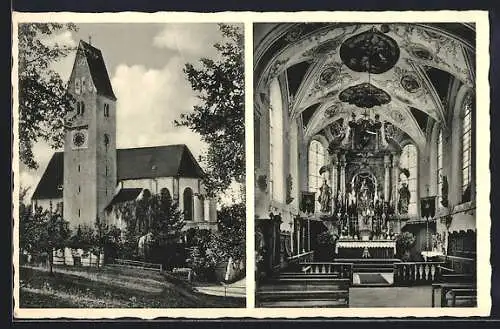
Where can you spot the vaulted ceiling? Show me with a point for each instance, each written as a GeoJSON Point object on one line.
{"type": "Point", "coordinates": [403, 72]}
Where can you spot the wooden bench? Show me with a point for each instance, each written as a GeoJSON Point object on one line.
{"type": "Point", "coordinates": [467, 296]}
{"type": "Point", "coordinates": [446, 288]}
{"type": "Point", "coordinates": [457, 278]}
{"type": "Point", "coordinates": [304, 291]}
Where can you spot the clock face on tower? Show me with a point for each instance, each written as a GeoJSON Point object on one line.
{"type": "Point", "coordinates": [79, 139]}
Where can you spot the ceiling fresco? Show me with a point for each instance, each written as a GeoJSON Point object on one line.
{"type": "Point", "coordinates": [350, 67]}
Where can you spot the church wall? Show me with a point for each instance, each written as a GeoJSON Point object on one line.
{"type": "Point", "coordinates": [106, 165]}
{"type": "Point", "coordinates": [150, 184]}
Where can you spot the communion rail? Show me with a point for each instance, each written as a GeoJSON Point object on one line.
{"type": "Point", "coordinates": [417, 273]}
{"type": "Point", "coordinates": [342, 270]}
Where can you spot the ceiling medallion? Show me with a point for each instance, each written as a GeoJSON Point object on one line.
{"type": "Point", "coordinates": [329, 75]}
{"type": "Point", "coordinates": [410, 83]}
{"type": "Point", "coordinates": [364, 95]}
{"type": "Point", "coordinates": [397, 116]}
{"type": "Point", "coordinates": [421, 52]}
{"type": "Point", "coordinates": [370, 51]}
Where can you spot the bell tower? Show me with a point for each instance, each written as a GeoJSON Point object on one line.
{"type": "Point", "coordinates": [90, 140]}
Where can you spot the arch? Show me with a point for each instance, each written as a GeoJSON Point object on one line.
{"type": "Point", "coordinates": [188, 203]}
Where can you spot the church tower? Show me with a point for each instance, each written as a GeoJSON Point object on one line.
{"type": "Point", "coordinates": [90, 141]}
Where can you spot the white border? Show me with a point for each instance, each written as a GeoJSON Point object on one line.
{"type": "Point", "coordinates": [480, 18]}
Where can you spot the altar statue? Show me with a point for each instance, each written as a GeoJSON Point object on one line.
{"type": "Point", "coordinates": [325, 197]}
{"type": "Point", "coordinates": [404, 199]}
{"type": "Point", "coordinates": [351, 201]}
{"type": "Point", "coordinates": [363, 191]}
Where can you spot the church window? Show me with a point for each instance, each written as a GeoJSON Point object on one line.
{"type": "Point", "coordinates": [106, 170]}
{"type": "Point", "coordinates": [79, 213]}
{"type": "Point", "coordinates": [80, 108]}
{"type": "Point", "coordinates": [79, 188]}
{"type": "Point", "coordinates": [188, 204]}
{"type": "Point", "coordinates": [467, 149]}
{"type": "Point", "coordinates": [256, 128]}
{"type": "Point", "coordinates": [78, 168]}
{"type": "Point", "coordinates": [83, 85]}
{"type": "Point", "coordinates": [409, 161]}
{"type": "Point", "coordinates": [77, 87]}
{"type": "Point", "coordinates": [276, 181]}
{"type": "Point", "coordinates": [316, 159]}
{"type": "Point", "coordinates": [106, 141]}
{"type": "Point", "coordinates": [439, 172]}
{"type": "Point", "coordinates": [106, 110]}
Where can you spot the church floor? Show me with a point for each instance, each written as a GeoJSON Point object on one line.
{"type": "Point", "coordinates": [390, 297]}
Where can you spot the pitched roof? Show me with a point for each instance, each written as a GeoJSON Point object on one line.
{"type": "Point", "coordinates": [98, 70]}
{"type": "Point", "coordinates": [50, 185]}
{"type": "Point", "coordinates": [157, 161]}
{"type": "Point", "coordinates": [134, 163]}
{"type": "Point", "coordinates": [125, 194]}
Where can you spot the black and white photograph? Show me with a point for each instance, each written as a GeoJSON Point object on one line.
{"type": "Point", "coordinates": [131, 176]}
{"type": "Point", "coordinates": [365, 165]}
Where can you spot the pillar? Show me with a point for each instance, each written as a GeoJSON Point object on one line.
{"type": "Point", "coordinates": [387, 177]}
{"type": "Point", "coordinates": [395, 180]}
{"type": "Point", "coordinates": [334, 178]}
{"type": "Point", "coordinates": [206, 208]}
{"type": "Point", "coordinates": [342, 174]}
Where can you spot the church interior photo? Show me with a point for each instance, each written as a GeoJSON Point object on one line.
{"type": "Point", "coordinates": [365, 164]}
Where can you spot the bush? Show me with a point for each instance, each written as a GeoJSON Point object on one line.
{"type": "Point", "coordinates": [404, 242]}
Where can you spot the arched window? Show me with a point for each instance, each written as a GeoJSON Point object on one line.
{"type": "Point", "coordinates": [77, 87]}
{"type": "Point", "coordinates": [439, 171]}
{"type": "Point", "coordinates": [82, 108]}
{"type": "Point", "coordinates": [316, 159]}
{"type": "Point", "coordinates": [276, 180]}
{"type": "Point", "coordinates": [188, 203]}
{"type": "Point", "coordinates": [467, 149]}
{"type": "Point", "coordinates": [409, 161]}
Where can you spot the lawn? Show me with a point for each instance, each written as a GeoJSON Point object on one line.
{"type": "Point", "coordinates": [111, 288]}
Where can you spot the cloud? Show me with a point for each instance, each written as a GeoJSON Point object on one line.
{"type": "Point", "coordinates": [189, 39]}
{"type": "Point", "coordinates": [149, 100]}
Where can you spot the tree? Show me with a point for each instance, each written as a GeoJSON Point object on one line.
{"type": "Point", "coordinates": [231, 236]}
{"type": "Point", "coordinates": [43, 99]}
{"type": "Point", "coordinates": [48, 231]}
{"type": "Point", "coordinates": [157, 215]}
{"type": "Point", "coordinates": [219, 118]}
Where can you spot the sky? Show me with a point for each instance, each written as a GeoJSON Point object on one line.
{"type": "Point", "coordinates": [144, 62]}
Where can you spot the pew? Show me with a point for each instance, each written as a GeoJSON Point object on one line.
{"type": "Point", "coordinates": [304, 291]}
{"type": "Point", "coordinates": [459, 289]}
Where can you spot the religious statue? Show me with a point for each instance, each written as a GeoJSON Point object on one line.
{"type": "Point", "coordinates": [363, 191]}
{"type": "Point", "coordinates": [404, 199]}
{"type": "Point", "coordinates": [325, 197]}
{"type": "Point", "coordinates": [351, 201]}
{"type": "Point", "coordinates": [444, 191]}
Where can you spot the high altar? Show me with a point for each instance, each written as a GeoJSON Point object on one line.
{"type": "Point", "coordinates": [370, 196]}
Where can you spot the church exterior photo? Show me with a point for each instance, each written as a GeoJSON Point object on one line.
{"type": "Point", "coordinates": [364, 164]}
{"type": "Point", "coordinates": [91, 178]}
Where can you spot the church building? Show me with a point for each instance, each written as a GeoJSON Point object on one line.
{"type": "Point", "coordinates": [91, 176]}
{"type": "Point", "coordinates": [364, 133]}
